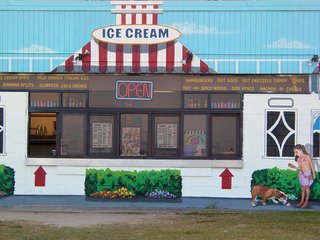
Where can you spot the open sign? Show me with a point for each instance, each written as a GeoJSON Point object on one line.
{"type": "Point", "coordinates": [134, 90]}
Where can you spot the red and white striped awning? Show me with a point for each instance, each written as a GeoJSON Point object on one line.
{"type": "Point", "coordinates": [102, 57]}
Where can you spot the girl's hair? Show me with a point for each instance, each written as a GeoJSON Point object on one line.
{"type": "Point", "coordinates": [302, 148]}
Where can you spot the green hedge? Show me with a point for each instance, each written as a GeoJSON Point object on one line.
{"type": "Point", "coordinates": [6, 180]}
{"type": "Point", "coordinates": [284, 180]}
{"type": "Point", "coordinates": [138, 182]}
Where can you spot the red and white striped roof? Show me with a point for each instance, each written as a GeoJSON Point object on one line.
{"type": "Point", "coordinates": [102, 57]}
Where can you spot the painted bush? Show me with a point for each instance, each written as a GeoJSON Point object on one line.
{"type": "Point", "coordinates": [285, 180]}
{"type": "Point", "coordinates": [139, 183]}
{"type": "Point", "coordinates": [6, 180]}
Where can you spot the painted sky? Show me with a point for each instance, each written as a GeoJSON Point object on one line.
{"type": "Point", "coordinates": [213, 30]}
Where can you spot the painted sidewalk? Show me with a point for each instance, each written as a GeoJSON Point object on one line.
{"type": "Point", "coordinates": [187, 203]}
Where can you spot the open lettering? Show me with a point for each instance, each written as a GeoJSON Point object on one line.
{"type": "Point", "coordinates": [134, 90]}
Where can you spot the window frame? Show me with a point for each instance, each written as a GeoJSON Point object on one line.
{"type": "Point", "coordinates": [151, 114]}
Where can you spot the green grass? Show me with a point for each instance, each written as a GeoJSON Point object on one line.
{"type": "Point", "coordinates": [204, 224]}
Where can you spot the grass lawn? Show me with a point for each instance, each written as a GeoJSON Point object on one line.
{"type": "Point", "coordinates": [204, 224]}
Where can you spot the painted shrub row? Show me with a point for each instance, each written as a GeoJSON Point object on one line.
{"type": "Point", "coordinates": [137, 182]}
{"type": "Point", "coordinates": [6, 180]}
{"type": "Point", "coordinates": [284, 180]}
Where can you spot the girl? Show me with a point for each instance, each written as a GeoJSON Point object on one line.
{"type": "Point", "coordinates": [306, 172]}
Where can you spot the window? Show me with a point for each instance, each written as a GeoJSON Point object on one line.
{"type": "Point", "coordinates": [134, 135]}
{"type": "Point", "coordinates": [47, 100]}
{"type": "Point", "coordinates": [225, 101]}
{"type": "Point", "coordinates": [225, 135]}
{"type": "Point", "coordinates": [42, 134]}
{"type": "Point", "coordinates": [195, 136]}
{"type": "Point", "coordinates": [102, 135]}
{"type": "Point", "coordinates": [52, 132]}
{"type": "Point", "coordinates": [316, 133]}
{"type": "Point", "coordinates": [166, 136]}
{"type": "Point", "coordinates": [73, 135]}
{"type": "Point", "coordinates": [195, 100]}
{"type": "Point", "coordinates": [280, 134]}
{"type": "Point", "coordinates": [74, 100]}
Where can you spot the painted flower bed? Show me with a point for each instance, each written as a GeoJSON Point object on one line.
{"type": "Point", "coordinates": [159, 194]}
{"type": "Point", "coordinates": [120, 193]}
{"type": "Point", "coordinates": [105, 183]}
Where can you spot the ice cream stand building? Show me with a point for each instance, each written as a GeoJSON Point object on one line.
{"type": "Point", "coordinates": [214, 89]}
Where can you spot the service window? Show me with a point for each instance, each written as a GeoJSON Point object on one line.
{"type": "Point", "coordinates": [195, 136]}
{"type": "Point", "coordinates": [42, 134]}
{"type": "Point", "coordinates": [166, 136]}
{"type": "Point", "coordinates": [73, 135]}
{"type": "Point", "coordinates": [101, 135]}
{"type": "Point", "coordinates": [225, 136]}
{"type": "Point", "coordinates": [134, 135]}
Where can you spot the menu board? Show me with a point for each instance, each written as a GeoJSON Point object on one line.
{"type": "Point", "coordinates": [44, 81]}
{"type": "Point", "coordinates": [248, 83]}
{"type": "Point", "coordinates": [102, 135]}
{"type": "Point", "coordinates": [167, 135]}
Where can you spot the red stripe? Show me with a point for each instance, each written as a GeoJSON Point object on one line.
{"type": "Point", "coordinates": [204, 68]}
{"type": "Point", "coordinates": [123, 19]}
{"type": "Point", "coordinates": [119, 58]}
{"type": "Point", "coordinates": [69, 64]}
{"type": "Point", "coordinates": [155, 19]}
{"type": "Point", "coordinates": [144, 16]}
{"type": "Point", "coordinates": [103, 61]}
{"type": "Point", "coordinates": [170, 57]}
{"type": "Point", "coordinates": [186, 67]}
{"type": "Point", "coordinates": [155, 16]}
{"type": "Point", "coordinates": [153, 57]}
{"type": "Point", "coordinates": [86, 58]}
{"type": "Point", "coordinates": [123, 16]}
{"type": "Point", "coordinates": [133, 19]}
{"type": "Point", "coordinates": [133, 15]}
{"type": "Point", "coordinates": [135, 58]}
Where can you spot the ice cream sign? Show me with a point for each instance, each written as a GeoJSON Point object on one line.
{"type": "Point", "coordinates": [136, 34]}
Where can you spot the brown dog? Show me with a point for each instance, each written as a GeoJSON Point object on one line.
{"type": "Point", "coordinates": [264, 192]}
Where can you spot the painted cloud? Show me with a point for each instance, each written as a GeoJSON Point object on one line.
{"type": "Point", "coordinates": [35, 48]}
{"type": "Point", "coordinates": [284, 43]}
{"type": "Point", "coordinates": [192, 28]}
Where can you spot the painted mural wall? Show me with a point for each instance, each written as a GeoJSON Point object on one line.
{"type": "Point", "coordinates": [243, 37]}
